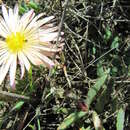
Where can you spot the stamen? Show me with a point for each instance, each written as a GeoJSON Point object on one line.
{"type": "Point", "coordinates": [16, 42]}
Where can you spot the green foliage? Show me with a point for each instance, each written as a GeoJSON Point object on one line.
{"type": "Point", "coordinates": [38, 124]}
{"type": "Point", "coordinates": [115, 43]}
{"type": "Point", "coordinates": [95, 88]}
{"type": "Point", "coordinates": [93, 72]}
{"type": "Point", "coordinates": [63, 110]}
{"type": "Point", "coordinates": [33, 5]}
{"type": "Point", "coordinates": [102, 100]}
{"type": "Point", "coordinates": [108, 34]}
{"type": "Point", "coordinates": [32, 127]}
{"type": "Point", "coordinates": [94, 50]}
{"type": "Point", "coordinates": [75, 116]}
{"type": "Point", "coordinates": [100, 70]}
{"type": "Point", "coordinates": [18, 105]}
{"type": "Point", "coordinates": [22, 10]}
{"type": "Point", "coordinates": [120, 119]}
{"type": "Point", "coordinates": [83, 128]}
{"type": "Point", "coordinates": [24, 7]}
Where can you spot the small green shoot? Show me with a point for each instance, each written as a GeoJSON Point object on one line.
{"type": "Point", "coordinates": [18, 105]}
{"type": "Point", "coordinates": [115, 43]}
{"type": "Point", "coordinates": [120, 119]}
{"type": "Point", "coordinates": [108, 34]}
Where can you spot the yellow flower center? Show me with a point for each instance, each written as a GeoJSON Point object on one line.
{"type": "Point", "coordinates": [16, 42]}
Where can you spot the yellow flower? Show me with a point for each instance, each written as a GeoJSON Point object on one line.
{"type": "Point", "coordinates": [25, 39]}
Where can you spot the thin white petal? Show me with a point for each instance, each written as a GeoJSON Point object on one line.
{"type": "Point", "coordinates": [24, 60]}
{"type": "Point", "coordinates": [45, 48]}
{"type": "Point", "coordinates": [5, 13]}
{"type": "Point", "coordinates": [16, 10]}
{"type": "Point", "coordinates": [3, 29]}
{"type": "Point", "coordinates": [33, 23]}
{"type": "Point", "coordinates": [49, 63]}
{"type": "Point", "coordinates": [32, 33]}
{"type": "Point", "coordinates": [12, 20]}
{"type": "Point", "coordinates": [13, 70]}
{"type": "Point", "coordinates": [48, 37]}
{"type": "Point", "coordinates": [4, 25]}
{"type": "Point", "coordinates": [33, 58]}
{"type": "Point", "coordinates": [46, 26]}
{"type": "Point", "coordinates": [48, 30]}
{"type": "Point", "coordinates": [3, 57]}
{"type": "Point", "coordinates": [16, 17]}
{"type": "Point", "coordinates": [22, 68]}
{"type": "Point", "coordinates": [5, 67]}
{"type": "Point", "coordinates": [49, 54]}
{"type": "Point", "coordinates": [44, 20]}
{"type": "Point", "coordinates": [3, 48]}
{"type": "Point", "coordinates": [2, 33]}
{"type": "Point", "coordinates": [6, 17]}
{"type": "Point", "coordinates": [25, 20]}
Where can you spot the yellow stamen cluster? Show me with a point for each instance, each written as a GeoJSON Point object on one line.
{"type": "Point", "coordinates": [16, 42]}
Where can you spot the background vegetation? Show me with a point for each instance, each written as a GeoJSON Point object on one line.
{"type": "Point", "coordinates": [90, 90]}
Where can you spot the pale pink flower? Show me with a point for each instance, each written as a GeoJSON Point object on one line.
{"type": "Point", "coordinates": [25, 40]}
